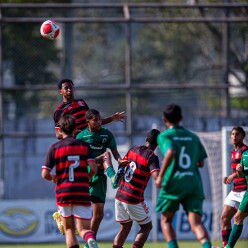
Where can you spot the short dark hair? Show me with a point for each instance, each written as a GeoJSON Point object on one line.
{"type": "Point", "coordinates": [91, 113]}
{"type": "Point", "coordinates": [67, 123]}
{"type": "Point", "coordinates": [152, 136]}
{"type": "Point", "coordinates": [173, 113]}
{"type": "Point", "coordinates": [240, 129]}
{"type": "Point", "coordinates": [64, 80]}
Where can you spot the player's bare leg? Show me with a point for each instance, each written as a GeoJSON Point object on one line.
{"type": "Point", "coordinates": [121, 236]}
{"type": "Point", "coordinates": [168, 230]}
{"type": "Point", "coordinates": [226, 225]}
{"type": "Point", "coordinates": [237, 228]}
{"type": "Point", "coordinates": [97, 216]}
{"type": "Point", "coordinates": [83, 227]}
{"type": "Point", "coordinates": [198, 229]}
{"type": "Point", "coordinates": [69, 228]}
{"type": "Point", "coordinates": [143, 234]}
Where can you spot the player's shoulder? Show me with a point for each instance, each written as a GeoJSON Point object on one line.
{"type": "Point", "coordinates": [245, 153]}
{"type": "Point", "coordinates": [81, 102]}
{"type": "Point", "coordinates": [244, 147]}
{"type": "Point", "coordinates": [83, 133]}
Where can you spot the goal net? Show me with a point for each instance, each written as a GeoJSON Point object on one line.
{"type": "Point", "coordinates": [219, 146]}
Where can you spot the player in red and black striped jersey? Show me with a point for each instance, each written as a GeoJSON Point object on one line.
{"type": "Point", "coordinates": [77, 108]}
{"type": "Point", "coordinates": [70, 157]}
{"type": "Point", "coordinates": [129, 200]}
{"type": "Point", "coordinates": [234, 198]}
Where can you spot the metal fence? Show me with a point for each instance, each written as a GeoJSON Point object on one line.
{"type": "Point", "coordinates": [115, 54]}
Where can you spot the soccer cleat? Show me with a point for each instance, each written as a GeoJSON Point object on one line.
{"type": "Point", "coordinates": [92, 243]}
{"type": "Point", "coordinates": [56, 217]}
{"type": "Point", "coordinates": [117, 178]}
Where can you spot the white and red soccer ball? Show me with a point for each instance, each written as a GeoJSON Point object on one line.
{"type": "Point", "coordinates": [49, 30]}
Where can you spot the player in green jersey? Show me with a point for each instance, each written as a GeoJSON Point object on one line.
{"type": "Point", "coordinates": [242, 213]}
{"type": "Point", "coordinates": [100, 139]}
{"type": "Point", "coordinates": [179, 177]}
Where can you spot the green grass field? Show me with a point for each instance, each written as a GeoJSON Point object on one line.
{"type": "Point", "coordinates": [182, 244]}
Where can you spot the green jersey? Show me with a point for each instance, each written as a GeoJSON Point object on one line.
{"type": "Point", "coordinates": [99, 141]}
{"type": "Point", "coordinates": [244, 163]}
{"type": "Point", "coordinates": [182, 176]}
{"type": "Point", "coordinates": [243, 207]}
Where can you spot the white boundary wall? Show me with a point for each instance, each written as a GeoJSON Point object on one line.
{"type": "Point", "coordinates": [30, 221]}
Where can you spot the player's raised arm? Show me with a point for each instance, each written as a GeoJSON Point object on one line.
{"type": "Point", "coordinates": [118, 116]}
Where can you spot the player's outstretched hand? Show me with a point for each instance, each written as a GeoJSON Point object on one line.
{"type": "Point", "coordinates": [119, 116]}
{"type": "Point", "coordinates": [122, 163]}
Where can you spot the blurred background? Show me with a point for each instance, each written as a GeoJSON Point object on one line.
{"type": "Point", "coordinates": [122, 56]}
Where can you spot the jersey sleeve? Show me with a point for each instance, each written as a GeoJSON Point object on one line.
{"type": "Point", "coordinates": [112, 143]}
{"type": "Point", "coordinates": [202, 151]}
{"type": "Point", "coordinates": [154, 163]}
{"type": "Point", "coordinates": [49, 162]}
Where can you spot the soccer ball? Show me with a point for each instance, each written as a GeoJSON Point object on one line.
{"type": "Point", "coordinates": [49, 30]}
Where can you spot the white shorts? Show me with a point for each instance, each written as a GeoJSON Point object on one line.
{"type": "Point", "coordinates": [79, 212]}
{"type": "Point", "coordinates": [234, 198]}
{"type": "Point", "coordinates": [125, 212]}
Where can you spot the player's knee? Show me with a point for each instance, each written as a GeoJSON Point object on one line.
{"type": "Point", "coordinates": [224, 219]}
{"type": "Point", "coordinates": [238, 219]}
{"type": "Point", "coordinates": [166, 219]}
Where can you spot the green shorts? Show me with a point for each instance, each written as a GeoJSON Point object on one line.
{"type": "Point", "coordinates": [98, 187]}
{"type": "Point", "coordinates": [190, 204]}
{"type": "Point", "coordinates": [244, 203]}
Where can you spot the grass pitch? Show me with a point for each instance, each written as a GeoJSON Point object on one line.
{"type": "Point", "coordinates": [182, 244]}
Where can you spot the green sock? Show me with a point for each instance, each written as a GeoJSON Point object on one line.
{"type": "Point", "coordinates": [235, 234]}
{"type": "Point", "coordinates": [172, 244]}
{"type": "Point", "coordinates": [206, 244]}
{"type": "Point", "coordinates": [110, 171]}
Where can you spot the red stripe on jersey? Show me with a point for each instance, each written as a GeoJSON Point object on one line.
{"type": "Point", "coordinates": [130, 194]}
{"type": "Point", "coordinates": [70, 150]}
{"type": "Point", "coordinates": [70, 184]}
{"type": "Point", "coordinates": [132, 187]}
{"type": "Point", "coordinates": [138, 158]}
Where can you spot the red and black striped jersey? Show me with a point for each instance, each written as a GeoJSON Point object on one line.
{"type": "Point", "coordinates": [70, 156]}
{"type": "Point", "coordinates": [239, 184]}
{"type": "Point", "coordinates": [77, 108]}
{"type": "Point", "coordinates": [142, 162]}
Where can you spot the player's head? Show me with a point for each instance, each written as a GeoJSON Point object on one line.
{"type": "Point", "coordinates": [152, 136]}
{"type": "Point", "coordinates": [67, 124]}
{"type": "Point", "coordinates": [93, 119]}
{"type": "Point", "coordinates": [172, 113]}
{"type": "Point", "coordinates": [64, 80]}
{"type": "Point", "coordinates": [237, 135]}
{"type": "Point", "coordinates": [66, 88]}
